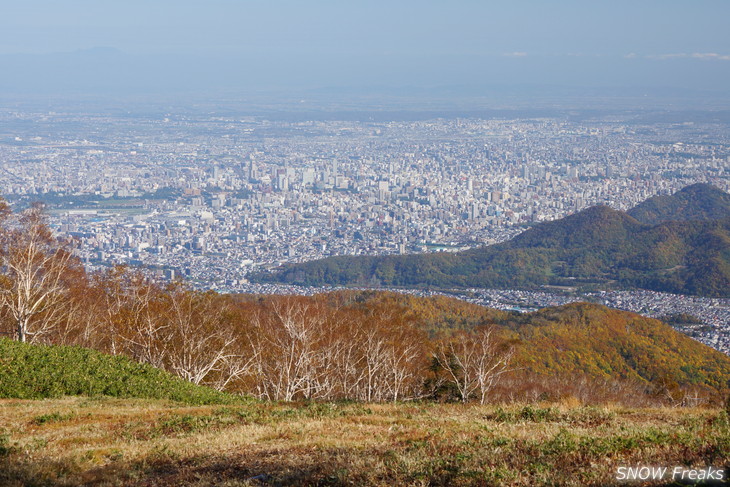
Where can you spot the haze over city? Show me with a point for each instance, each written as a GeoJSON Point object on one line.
{"type": "Point", "coordinates": [643, 49]}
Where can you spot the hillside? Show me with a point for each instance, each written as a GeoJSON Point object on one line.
{"type": "Point", "coordinates": [605, 343]}
{"type": "Point", "coordinates": [577, 340]}
{"type": "Point", "coordinates": [40, 372]}
{"type": "Point", "coordinates": [555, 417]}
{"type": "Point", "coordinates": [598, 246]}
{"type": "Point", "coordinates": [558, 407]}
{"type": "Point", "coordinates": [553, 347]}
{"type": "Point", "coordinates": [696, 202]}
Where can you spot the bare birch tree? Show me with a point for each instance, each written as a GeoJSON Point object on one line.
{"type": "Point", "coordinates": [138, 326]}
{"type": "Point", "coordinates": [202, 344]}
{"type": "Point", "coordinates": [474, 361]}
{"type": "Point", "coordinates": [35, 266]}
{"type": "Point", "coordinates": [287, 343]}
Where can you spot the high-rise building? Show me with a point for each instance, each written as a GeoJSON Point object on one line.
{"type": "Point", "coordinates": [251, 168]}
{"type": "Point", "coordinates": [308, 176]}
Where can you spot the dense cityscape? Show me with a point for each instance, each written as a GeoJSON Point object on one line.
{"type": "Point", "coordinates": [212, 199]}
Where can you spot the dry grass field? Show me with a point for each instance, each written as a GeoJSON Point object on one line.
{"type": "Point", "coordinates": [104, 441]}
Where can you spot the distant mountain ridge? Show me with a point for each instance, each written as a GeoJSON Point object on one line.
{"type": "Point", "coordinates": [686, 252]}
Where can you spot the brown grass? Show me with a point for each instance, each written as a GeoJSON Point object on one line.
{"type": "Point", "coordinates": [100, 442]}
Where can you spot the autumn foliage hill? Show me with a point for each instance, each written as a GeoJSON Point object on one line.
{"type": "Point", "coordinates": [606, 343]}
{"type": "Point", "coordinates": [370, 346]}
{"type": "Point", "coordinates": [566, 344]}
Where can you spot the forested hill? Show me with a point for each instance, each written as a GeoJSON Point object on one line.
{"type": "Point", "coordinates": [697, 202]}
{"type": "Point", "coordinates": [564, 343]}
{"type": "Point", "coordinates": [598, 246]}
{"type": "Point", "coordinates": [595, 341]}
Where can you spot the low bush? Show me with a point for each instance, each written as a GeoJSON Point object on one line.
{"type": "Point", "coordinates": [40, 372]}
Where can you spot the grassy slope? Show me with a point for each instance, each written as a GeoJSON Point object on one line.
{"type": "Point", "coordinates": [36, 372]}
{"type": "Point", "coordinates": [109, 441]}
{"type": "Point", "coordinates": [134, 443]}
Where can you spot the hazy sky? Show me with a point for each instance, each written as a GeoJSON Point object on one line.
{"type": "Point", "coordinates": [318, 43]}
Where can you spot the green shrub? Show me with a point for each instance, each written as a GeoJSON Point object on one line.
{"type": "Point", "coordinates": [39, 372]}
{"type": "Point", "coordinates": [563, 442]}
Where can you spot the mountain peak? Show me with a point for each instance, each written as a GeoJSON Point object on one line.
{"type": "Point", "coordinates": [602, 212]}
{"type": "Point", "coordinates": [698, 201]}
{"type": "Point", "coordinates": [595, 226]}
{"type": "Point", "coordinates": [699, 188]}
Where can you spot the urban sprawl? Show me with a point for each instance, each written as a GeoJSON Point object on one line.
{"type": "Point", "coordinates": [212, 199]}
